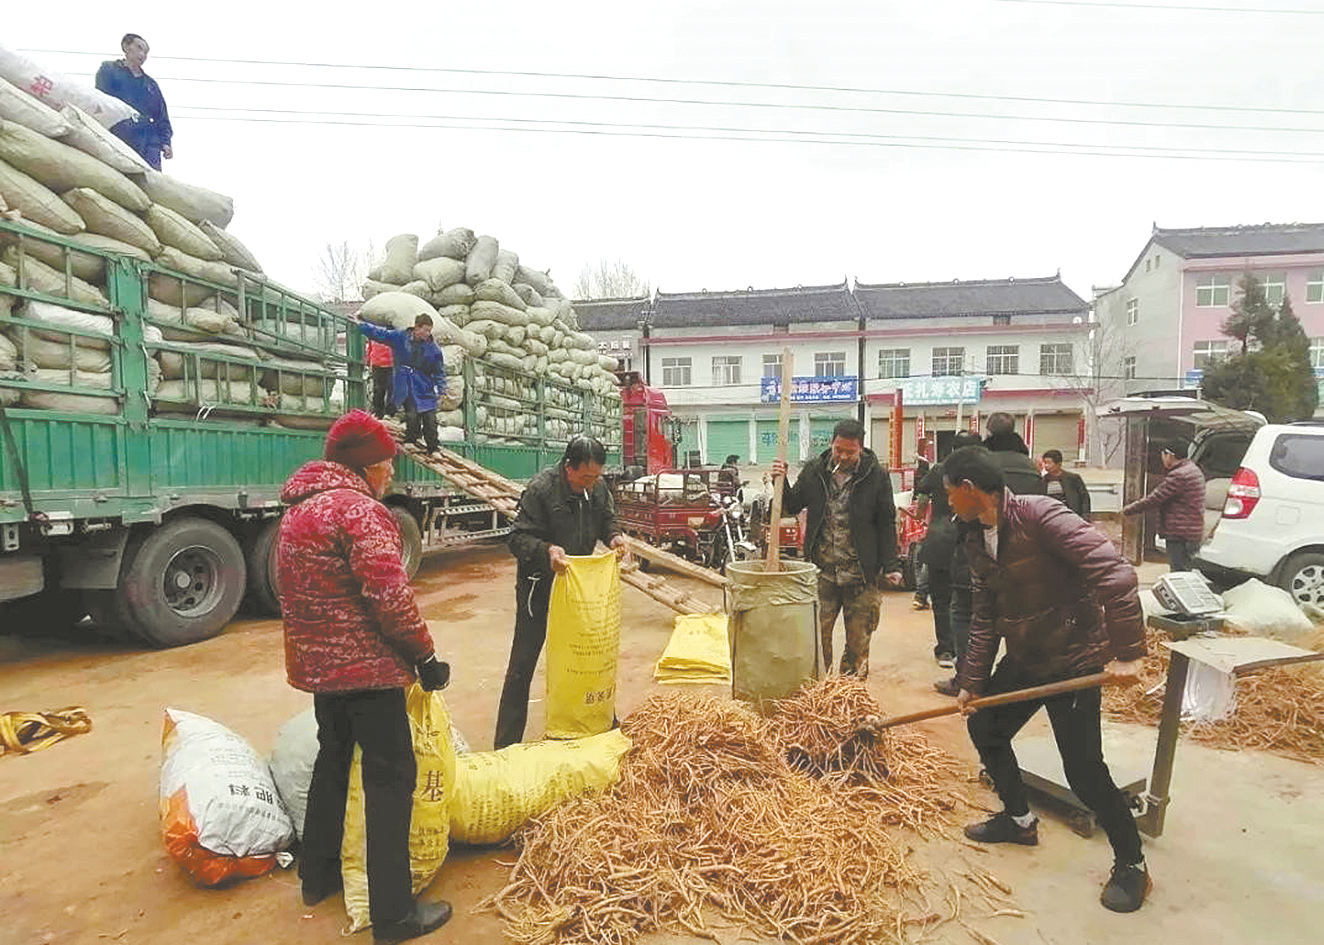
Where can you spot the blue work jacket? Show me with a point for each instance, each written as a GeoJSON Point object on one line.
{"type": "Point", "coordinates": [420, 369]}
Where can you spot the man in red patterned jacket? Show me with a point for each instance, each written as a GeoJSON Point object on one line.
{"type": "Point", "coordinates": [354, 638]}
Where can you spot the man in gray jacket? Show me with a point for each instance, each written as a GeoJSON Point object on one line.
{"type": "Point", "coordinates": [1179, 497]}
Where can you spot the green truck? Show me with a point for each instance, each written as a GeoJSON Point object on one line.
{"type": "Point", "coordinates": [141, 462]}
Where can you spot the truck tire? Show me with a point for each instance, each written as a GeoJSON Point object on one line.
{"type": "Point", "coordinates": [181, 582]}
{"type": "Point", "coordinates": [411, 537]}
{"type": "Point", "coordinates": [1303, 578]}
{"type": "Point", "coordinates": [260, 561]}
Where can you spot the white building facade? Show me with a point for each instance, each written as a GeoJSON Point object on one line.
{"type": "Point", "coordinates": [955, 352]}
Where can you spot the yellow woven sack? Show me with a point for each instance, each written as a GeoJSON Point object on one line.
{"type": "Point", "coordinates": [699, 651]}
{"type": "Point", "coordinates": [583, 646]}
{"type": "Point", "coordinates": [429, 826]}
{"type": "Point", "coordinates": [498, 792]}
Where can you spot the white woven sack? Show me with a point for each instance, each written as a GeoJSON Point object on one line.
{"type": "Point", "coordinates": [56, 90]}
{"type": "Point", "coordinates": [17, 105]}
{"type": "Point", "coordinates": [91, 137]}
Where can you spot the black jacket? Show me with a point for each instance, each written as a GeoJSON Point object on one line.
{"type": "Point", "coordinates": [872, 508]}
{"type": "Point", "coordinates": [940, 540]}
{"type": "Point", "coordinates": [550, 514]}
{"type": "Point", "coordinates": [1075, 495]}
{"type": "Point", "coordinates": [1019, 472]}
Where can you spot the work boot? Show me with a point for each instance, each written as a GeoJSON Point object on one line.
{"type": "Point", "coordinates": [1000, 828]}
{"type": "Point", "coordinates": [426, 917]}
{"type": "Point", "coordinates": [1126, 888]}
{"type": "Point", "coordinates": [946, 660]}
{"type": "Point", "coordinates": [948, 687]}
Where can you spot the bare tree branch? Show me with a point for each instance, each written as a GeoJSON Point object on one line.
{"type": "Point", "coordinates": [340, 271]}
{"type": "Point", "coordinates": [609, 280]}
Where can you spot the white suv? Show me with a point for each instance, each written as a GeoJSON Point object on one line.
{"type": "Point", "coordinates": [1272, 525]}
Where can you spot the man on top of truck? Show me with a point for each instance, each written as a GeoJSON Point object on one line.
{"type": "Point", "coordinates": [420, 376]}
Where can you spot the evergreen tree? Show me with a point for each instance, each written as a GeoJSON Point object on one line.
{"type": "Point", "coordinates": [1271, 373]}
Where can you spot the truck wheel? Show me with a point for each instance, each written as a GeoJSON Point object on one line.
{"type": "Point", "coordinates": [263, 579]}
{"type": "Point", "coordinates": [1303, 578]}
{"type": "Point", "coordinates": [411, 536]}
{"type": "Point", "coordinates": [182, 582]}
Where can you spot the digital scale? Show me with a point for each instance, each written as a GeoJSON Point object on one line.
{"type": "Point", "coordinates": [1147, 795]}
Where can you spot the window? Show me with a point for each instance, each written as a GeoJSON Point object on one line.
{"type": "Point", "coordinates": [1002, 319]}
{"type": "Point", "coordinates": [948, 361]}
{"type": "Point", "coordinates": [1299, 455]}
{"type": "Point", "coordinates": [1148, 262]}
{"type": "Point", "coordinates": [1132, 311]}
{"type": "Point", "coordinates": [1211, 290]}
{"type": "Point", "coordinates": [1315, 286]}
{"type": "Point", "coordinates": [1057, 359]}
{"type": "Point", "coordinates": [726, 370]}
{"type": "Point", "coordinates": [894, 362]}
{"type": "Point", "coordinates": [782, 329]}
{"type": "Point", "coordinates": [1003, 359]}
{"type": "Point", "coordinates": [1129, 367]}
{"type": "Point", "coordinates": [830, 364]}
{"type": "Point", "coordinates": [1317, 353]}
{"type": "Point", "coordinates": [1207, 351]}
{"type": "Point", "coordinates": [676, 372]}
{"type": "Point", "coordinates": [772, 365]}
{"type": "Point", "coordinates": [1157, 259]}
{"type": "Point", "coordinates": [1275, 287]}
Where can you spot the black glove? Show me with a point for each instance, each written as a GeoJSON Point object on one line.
{"type": "Point", "coordinates": [434, 674]}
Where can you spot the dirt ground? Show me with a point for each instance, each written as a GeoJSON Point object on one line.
{"type": "Point", "coordinates": [83, 862]}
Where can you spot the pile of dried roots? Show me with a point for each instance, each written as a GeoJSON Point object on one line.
{"type": "Point", "coordinates": [1278, 710]}
{"type": "Point", "coordinates": [786, 826]}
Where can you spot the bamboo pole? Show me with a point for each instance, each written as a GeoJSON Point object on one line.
{"type": "Point", "coordinates": [773, 562]}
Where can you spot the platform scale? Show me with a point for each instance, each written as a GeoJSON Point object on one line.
{"type": "Point", "coordinates": [1041, 765]}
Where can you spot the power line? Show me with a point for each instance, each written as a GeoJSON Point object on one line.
{"type": "Point", "coordinates": [1185, 151]}
{"type": "Point", "coordinates": [725, 83]}
{"type": "Point", "coordinates": [1162, 6]}
{"type": "Point", "coordinates": [955, 144]}
{"type": "Point", "coordinates": [948, 114]}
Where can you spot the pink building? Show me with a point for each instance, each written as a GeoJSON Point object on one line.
{"type": "Point", "coordinates": [1163, 323]}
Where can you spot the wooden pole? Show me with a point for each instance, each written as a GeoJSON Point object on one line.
{"type": "Point", "coordinates": [773, 562]}
{"type": "Point", "coordinates": [1005, 698]}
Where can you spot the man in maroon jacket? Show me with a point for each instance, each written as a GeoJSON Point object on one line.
{"type": "Point", "coordinates": [354, 638]}
{"type": "Point", "coordinates": [1059, 596]}
{"type": "Point", "coordinates": [1180, 501]}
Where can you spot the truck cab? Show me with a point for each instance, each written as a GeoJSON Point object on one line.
{"type": "Point", "coordinates": [648, 442]}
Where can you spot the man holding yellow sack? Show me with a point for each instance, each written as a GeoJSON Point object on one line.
{"type": "Point", "coordinates": [565, 510]}
{"type": "Point", "coordinates": [354, 638]}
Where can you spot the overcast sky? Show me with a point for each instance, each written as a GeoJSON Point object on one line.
{"type": "Point", "coordinates": [689, 214]}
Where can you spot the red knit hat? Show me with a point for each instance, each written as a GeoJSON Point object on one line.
{"type": "Point", "coordinates": [358, 440]}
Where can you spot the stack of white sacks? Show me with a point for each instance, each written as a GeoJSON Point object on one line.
{"type": "Point", "coordinates": [485, 305]}
{"type": "Point", "coordinates": [62, 172]}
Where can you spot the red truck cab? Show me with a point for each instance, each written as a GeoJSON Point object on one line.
{"type": "Point", "coordinates": [646, 441]}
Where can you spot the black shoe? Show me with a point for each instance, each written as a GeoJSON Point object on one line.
{"type": "Point", "coordinates": [1000, 828]}
{"type": "Point", "coordinates": [426, 917]}
{"type": "Point", "coordinates": [945, 659]}
{"type": "Point", "coordinates": [919, 603]}
{"type": "Point", "coordinates": [313, 893]}
{"type": "Point", "coordinates": [948, 687]}
{"type": "Point", "coordinates": [1126, 888]}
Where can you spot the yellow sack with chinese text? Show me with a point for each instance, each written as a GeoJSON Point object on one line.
{"type": "Point", "coordinates": [699, 651]}
{"type": "Point", "coordinates": [429, 825]}
{"type": "Point", "coordinates": [583, 646]}
{"type": "Point", "coordinates": [498, 792]}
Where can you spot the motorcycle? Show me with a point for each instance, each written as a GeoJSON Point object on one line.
{"type": "Point", "coordinates": [732, 543]}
